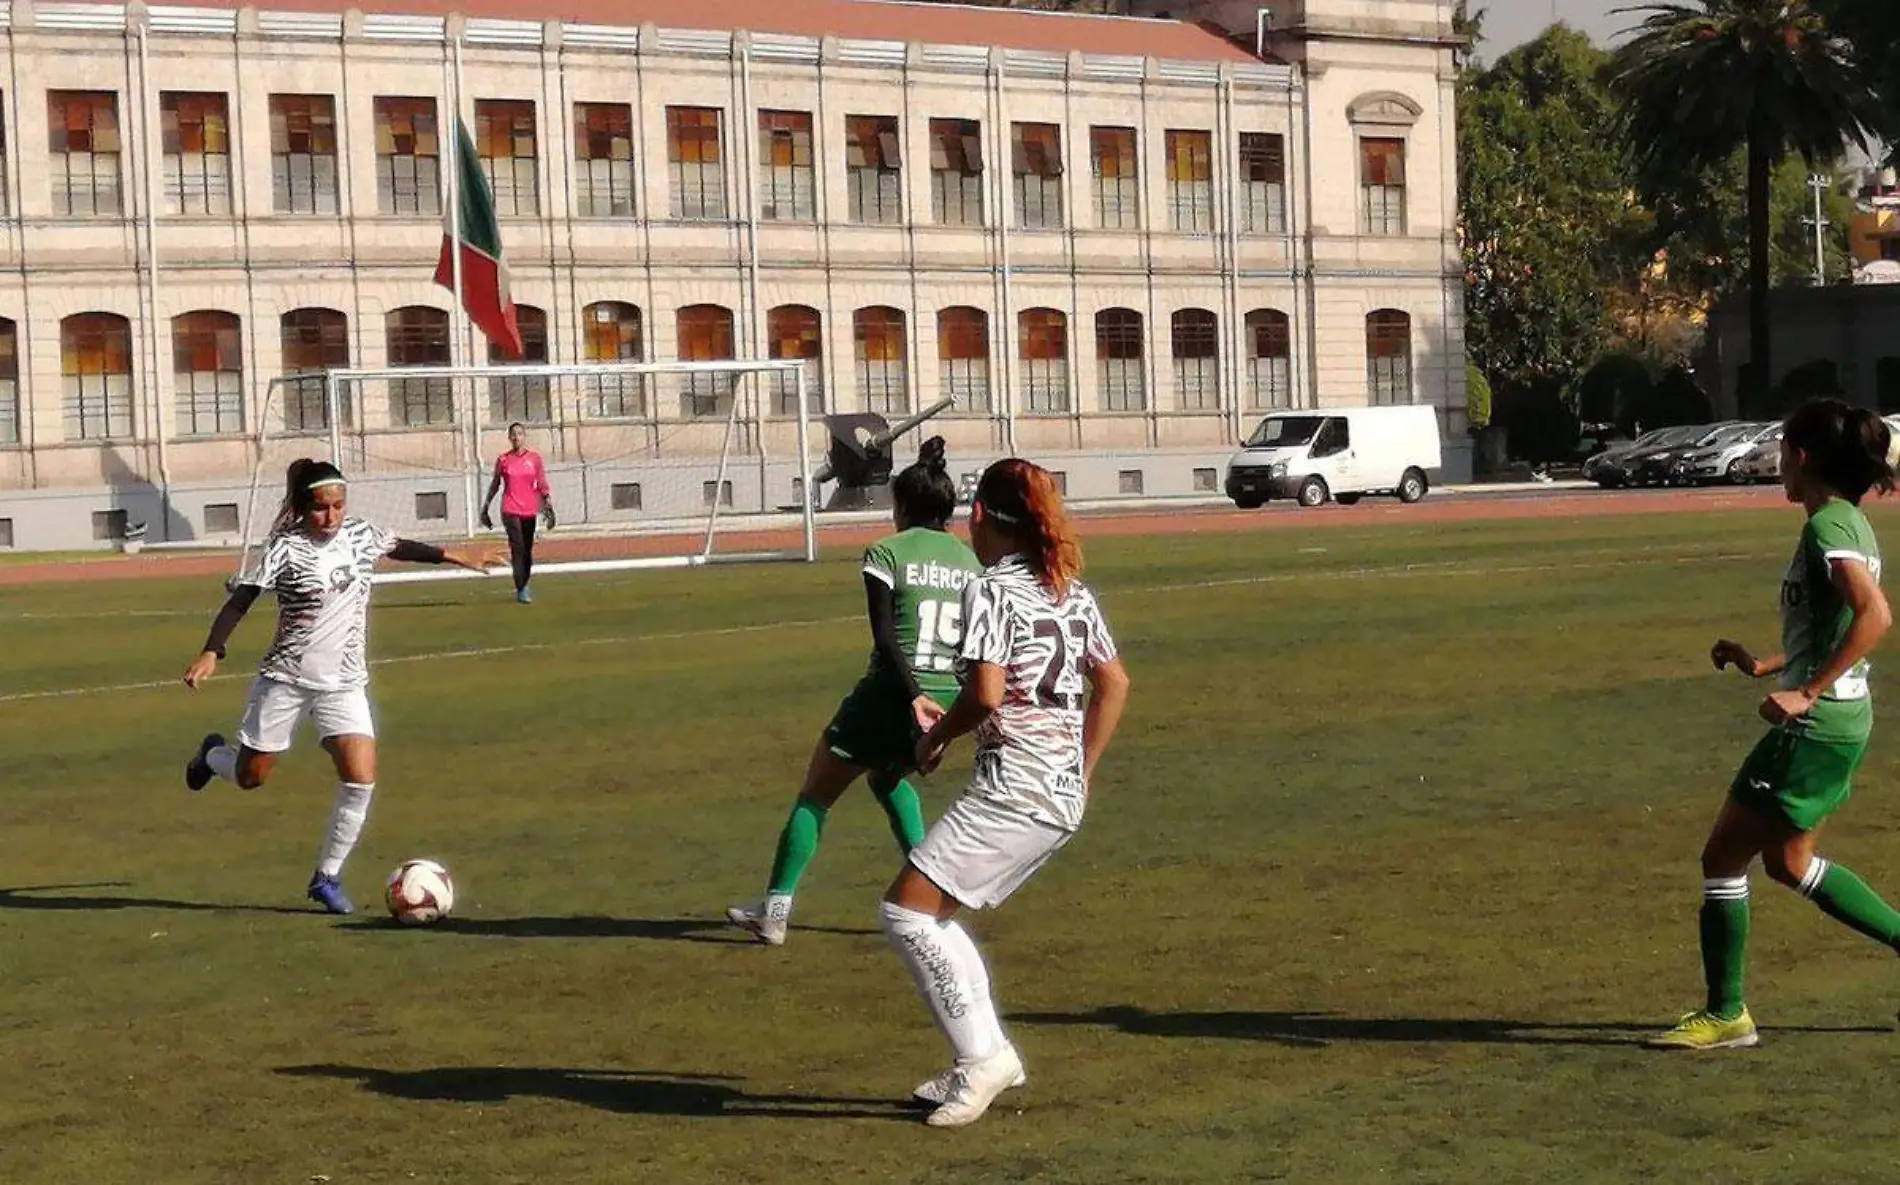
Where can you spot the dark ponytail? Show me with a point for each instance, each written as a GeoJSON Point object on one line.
{"type": "Point", "coordinates": [1847, 448]}
{"type": "Point", "coordinates": [1022, 499]}
{"type": "Point", "coordinates": [301, 482]}
{"type": "Point", "coordinates": [924, 493]}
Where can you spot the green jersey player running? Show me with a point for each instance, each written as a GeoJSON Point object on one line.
{"type": "Point", "coordinates": [913, 587]}
{"type": "Point", "coordinates": [1833, 614]}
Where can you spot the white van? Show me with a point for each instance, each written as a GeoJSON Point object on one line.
{"type": "Point", "coordinates": [1340, 454]}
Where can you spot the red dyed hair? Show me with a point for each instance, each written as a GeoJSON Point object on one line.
{"type": "Point", "coordinates": [1023, 499]}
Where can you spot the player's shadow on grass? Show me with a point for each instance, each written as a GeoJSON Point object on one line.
{"type": "Point", "coordinates": [636, 1092]}
{"type": "Point", "coordinates": [1320, 1029]}
{"type": "Point", "coordinates": [30, 897]}
{"type": "Point", "coordinates": [594, 926]}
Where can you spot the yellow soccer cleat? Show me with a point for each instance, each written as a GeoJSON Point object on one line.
{"type": "Point", "coordinates": [1705, 1030]}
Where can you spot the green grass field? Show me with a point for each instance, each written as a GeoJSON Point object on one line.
{"type": "Point", "coordinates": [1392, 865]}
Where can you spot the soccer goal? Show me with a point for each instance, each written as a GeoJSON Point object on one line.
{"type": "Point", "coordinates": [652, 465]}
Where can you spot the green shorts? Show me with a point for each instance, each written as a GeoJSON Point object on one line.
{"type": "Point", "coordinates": [1797, 778]}
{"type": "Point", "coordinates": [874, 727]}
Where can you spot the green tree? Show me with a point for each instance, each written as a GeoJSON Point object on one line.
{"type": "Point", "coordinates": [1477, 398]}
{"type": "Point", "coordinates": [1545, 200]}
{"type": "Point", "coordinates": [1872, 27]}
{"type": "Point", "coordinates": [1702, 80]}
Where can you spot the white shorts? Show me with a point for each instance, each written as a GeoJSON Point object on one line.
{"type": "Point", "coordinates": [980, 853]}
{"type": "Point", "coordinates": [274, 710]}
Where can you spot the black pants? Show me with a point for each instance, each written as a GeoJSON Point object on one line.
{"type": "Point", "coordinates": [520, 528]}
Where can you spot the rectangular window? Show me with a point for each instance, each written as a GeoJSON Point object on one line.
{"type": "Point", "coordinates": [6, 203]}
{"type": "Point", "coordinates": [1036, 149]}
{"type": "Point", "coordinates": [1117, 178]}
{"type": "Point", "coordinates": [408, 157]}
{"type": "Point", "coordinates": [873, 170]}
{"type": "Point", "coordinates": [1130, 481]}
{"type": "Point", "coordinates": [603, 152]}
{"type": "Point", "coordinates": [303, 154]}
{"type": "Point", "coordinates": [432, 507]}
{"type": "Point", "coordinates": [1382, 178]}
{"type": "Point", "coordinates": [788, 181]}
{"type": "Point", "coordinates": [624, 495]}
{"type": "Point", "coordinates": [196, 132]}
{"type": "Point", "coordinates": [696, 163]}
{"type": "Point", "coordinates": [83, 129]}
{"type": "Point", "coordinates": [1262, 184]}
{"type": "Point", "coordinates": [9, 382]}
{"type": "Point", "coordinates": [1191, 181]}
{"type": "Point", "coordinates": [221, 518]}
{"type": "Point", "coordinates": [108, 525]}
{"type": "Point", "coordinates": [1206, 481]}
{"type": "Point", "coordinates": [956, 172]}
{"type": "Point", "coordinates": [720, 492]}
{"type": "Point", "coordinates": [6, 532]}
{"type": "Point", "coordinates": [505, 142]}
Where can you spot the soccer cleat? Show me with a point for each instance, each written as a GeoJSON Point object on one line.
{"type": "Point", "coordinates": [198, 774]}
{"type": "Point", "coordinates": [765, 920]}
{"type": "Point", "coordinates": [1705, 1030]}
{"type": "Point", "coordinates": [975, 1087]}
{"type": "Point", "coordinates": [936, 1091]}
{"type": "Point", "coordinates": [523, 596]}
{"type": "Point", "coordinates": [327, 891]}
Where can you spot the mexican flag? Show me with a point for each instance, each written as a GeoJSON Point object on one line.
{"type": "Point", "coordinates": [484, 276]}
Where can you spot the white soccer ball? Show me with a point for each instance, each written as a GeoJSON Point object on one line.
{"type": "Point", "coordinates": [419, 893]}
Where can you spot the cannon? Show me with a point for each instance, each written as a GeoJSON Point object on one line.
{"type": "Point", "coordinates": [860, 456]}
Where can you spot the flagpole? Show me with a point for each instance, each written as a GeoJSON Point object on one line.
{"type": "Point", "coordinates": [458, 327]}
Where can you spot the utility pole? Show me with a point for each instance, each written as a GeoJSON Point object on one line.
{"type": "Point", "coordinates": [1820, 185]}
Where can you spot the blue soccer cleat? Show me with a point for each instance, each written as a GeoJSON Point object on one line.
{"type": "Point", "coordinates": [523, 596]}
{"type": "Point", "coordinates": [327, 891]}
{"type": "Point", "coordinates": [198, 774]}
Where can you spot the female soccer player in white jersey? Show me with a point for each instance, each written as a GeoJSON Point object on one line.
{"type": "Point", "coordinates": [1043, 690]}
{"type": "Point", "coordinates": [318, 562]}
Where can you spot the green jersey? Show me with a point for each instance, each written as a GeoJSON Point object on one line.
{"type": "Point", "coordinates": [1815, 618]}
{"type": "Point", "coordinates": [926, 571]}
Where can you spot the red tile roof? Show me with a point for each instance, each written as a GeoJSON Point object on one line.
{"type": "Point", "coordinates": [879, 20]}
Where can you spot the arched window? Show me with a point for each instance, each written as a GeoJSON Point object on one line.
{"type": "Point", "coordinates": [883, 360]}
{"type": "Point", "coordinates": [1120, 374]}
{"type": "Point", "coordinates": [792, 331]}
{"type": "Point", "coordinates": [963, 357]}
{"type": "Point", "coordinates": [1269, 360]}
{"type": "Point", "coordinates": [1043, 347]}
{"type": "Point", "coordinates": [9, 382]}
{"type": "Point", "coordinates": [417, 335]}
{"type": "Point", "coordinates": [1196, 338]}
{"type": "Point", "coordinates": [613, 332]}
{"type": "Point", "coordinates": [313, 342]}
{"type": "Point", "coordinates": [705, 335]}
{"type": "Point", "coordinates": [1389, 358]}
{"type": "Point", "coordinates": [527, 398]}
{"type": "Point", "coordinates": [208, 373]}
{"type": "Point", "coordinates": [95, 362]}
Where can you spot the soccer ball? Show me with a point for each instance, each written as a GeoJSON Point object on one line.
{"type": "Point", "coordinates": [419, 893]}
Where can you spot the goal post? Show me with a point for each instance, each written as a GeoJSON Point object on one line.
{"type": "Point", "coordinates": [652, 464]}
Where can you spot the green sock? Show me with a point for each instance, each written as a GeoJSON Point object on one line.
{"type": "Point", "coordinates": [1847, 899]}
{"type": "Point", "coordinates": [1724, 925]}
{"type": "Point", "coordinates": [797, 844]}
{"type": "Point", "coordinates": [904, 810]}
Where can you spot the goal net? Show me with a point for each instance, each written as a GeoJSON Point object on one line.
{"type": "Point", "coordinates": [651, 464]}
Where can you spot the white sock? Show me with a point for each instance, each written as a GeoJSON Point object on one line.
{"type": "Point", "coordinates": [346, 824]}
{"type": "Point", "coordinates": [943, 978]}
{"type": "Point", "coordinates": [983, 1000]}
{"type": "Point", "coordinates": [778, 907]}
{"type": "Point", "coordinates": [223, 762]}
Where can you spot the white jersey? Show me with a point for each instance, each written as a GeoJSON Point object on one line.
{"type": "Point", "coordinates": [1029, 752]}
{"type": "Point", "coordinates": [322, 589]}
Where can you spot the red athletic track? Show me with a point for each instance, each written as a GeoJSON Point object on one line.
{"type": "Point", "coordinates": [1443, 508]}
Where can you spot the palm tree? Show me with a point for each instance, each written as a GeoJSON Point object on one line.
{"type": "Point", "coordinates": [1704, 79]}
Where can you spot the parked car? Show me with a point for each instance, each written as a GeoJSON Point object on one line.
{"type": "Point", "coordinates": [1618, 470]}
{"type": "Point", "coordinates": [1654, 468]}
{"type": "Point", "coordinates": [1342, 455]}
{"type": "Point", "coordinates": [1617, 450]}
{"type": "Point", "coordinates": [1762, 463]}
{"type": "Point", "coordinates": [1716, 459]}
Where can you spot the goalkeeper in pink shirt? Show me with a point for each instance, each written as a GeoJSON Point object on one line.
{"type": "Point", "coordinates": [522, 481]}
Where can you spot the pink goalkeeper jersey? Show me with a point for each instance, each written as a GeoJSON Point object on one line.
{"type": "Point", "coordinates": [524, 482]}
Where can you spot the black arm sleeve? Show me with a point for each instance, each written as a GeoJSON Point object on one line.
{"type": "Point", "coordinates": [411, 552]}
{"type": "Point", "coordinates": [882, 606]}
{"type": "Point", "coordinates": [240, 602]}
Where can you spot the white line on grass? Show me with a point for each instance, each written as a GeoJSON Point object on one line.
{"type": "Point", "coordinates": [1435, 568]}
